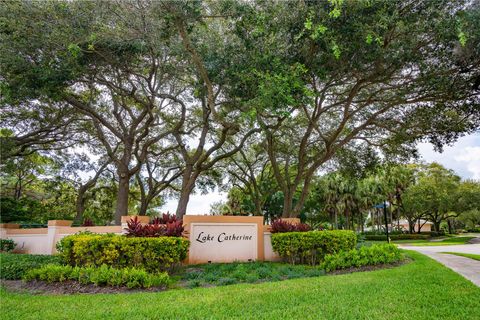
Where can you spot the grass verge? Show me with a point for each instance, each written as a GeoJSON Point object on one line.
{"type": "Point", "coordinates": [427, 243]}
{"type": "Point", "coordinates": [467, 255]}
{"type": "Point", "coordinates": [423, 289]}
{"type": "Point", "coordinates": [444, 242]}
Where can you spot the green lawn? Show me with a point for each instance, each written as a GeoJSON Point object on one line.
{"type": "Point", "coordinates": [428, 243]}
{"type": "Point", "coordinates": [422, 289]}
{"type": "Point", "coordinates": [444, 242]}
{"type": "Point", "coordinates": [467, 255]}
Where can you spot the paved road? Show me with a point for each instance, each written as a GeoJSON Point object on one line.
{"type": "Point", "coordinates": [467, 267]}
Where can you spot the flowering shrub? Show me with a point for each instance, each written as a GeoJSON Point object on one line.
{"type": "Point", "coordinates": [280, 225]}
{"type": "Point", "coordinates": [159, 227]}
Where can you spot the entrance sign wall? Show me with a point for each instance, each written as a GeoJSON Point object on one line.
{"type": "Point", "coordinates": [224, 238]}
{"type": "Point", "coordinates": [212, 238]}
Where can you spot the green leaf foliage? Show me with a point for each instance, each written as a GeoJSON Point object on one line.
{"type": "Point", "coordinates": [311, 247]}
{"type": "Point", "coordinates": [365, 256]}
{"type": "Point", "coordinates": [151, 254]}
{"type": "Point", "coordinates": [99, 276]}
{"type": "Point", "coordinates": [14, 266]}
{"type": "Point", "coordinates": [6, 245]}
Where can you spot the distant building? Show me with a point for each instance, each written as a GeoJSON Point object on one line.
{"type": "Point", "coordinates": [426, 226]}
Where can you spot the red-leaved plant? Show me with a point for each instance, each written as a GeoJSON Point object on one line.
{"type": "Point", "coordinates": [280, 225]}
{"type": "Point", "coordinates": [134, 228]}
{"type": "Point", "coordinates": [88, 223]}
{"type": "Point", "coordinates": [166, 218]}
{"type": "Point", "coordinates": [172, 227]}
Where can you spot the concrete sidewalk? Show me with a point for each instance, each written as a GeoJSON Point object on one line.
{"type": "Point", "coordinates": [468, 268]}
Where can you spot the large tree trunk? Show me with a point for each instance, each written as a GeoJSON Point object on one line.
{"type": "Point", "coordinates": [188, 183]}
{"type": "Point", "coordinates": [449, 222]}
{"type": "Point", "coordinates": [347, 216]}
{"type": "Point", "coordinates": [18, 189]}
{"type": "Point", "coordinates": [288, 211]}
{"type": "Point", "coordinates": [361, 221]}
{"type": "Point", "coordinates": [80, 206]}
{"type": "Point", "coordinates": [411, 226]}
{"type": "Point", "coordinates": [142, 211]}
{"type": "Point", "coordinates": [336, 218]}
{"type": "Point", "coordinates": [122, 197]}
{"type": "Point", "coordinates": [258, 206]}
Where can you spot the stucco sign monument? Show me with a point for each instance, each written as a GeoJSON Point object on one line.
{"type": "Point", "coordinates": [224, 238]}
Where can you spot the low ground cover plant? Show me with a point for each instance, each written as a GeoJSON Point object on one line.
{"type": "Point", "coordinates": [7, 245]}
{"type": "Point", "coordinates": [311, 247]}
{"type": "Point", "coordinates": [99, 276]}
{"type": "Point", "coordinates": [151, 254]}
{"type": "Point", "coordinates": [14, 266]}
{"type": "Point", "coordinates": [251, 272]}
{"type": "Point", "coordinates": [364, 256]}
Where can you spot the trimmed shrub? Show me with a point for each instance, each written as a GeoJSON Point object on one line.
{"type": "Point", "coordinates": [7, 245]}
{"type": "Point", "coordinates": [310, 247]}
{"type": "Point", "coordinates": [151, 254]}
{"type": "Point", "coordinates": [414, 236]}
{"type": "Point", "coordinates": [280, 225]}
{"type": "Point", "coordinates": [14, 266]}
{"type": "Point", "coordinates": [365, 256]}
{"type": "Point", "coordinates": [99, 276]}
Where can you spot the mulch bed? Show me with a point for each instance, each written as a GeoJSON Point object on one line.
{"type": "Point", "coordinates": [73, 287]}
{"type": "Point", "coordinates": [371, 268]}
{"type": "Point", "coordinates": [67, 287]}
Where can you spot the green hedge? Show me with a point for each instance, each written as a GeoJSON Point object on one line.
{"type": "Point", "coordinates": [151, 254]}
{"type": "Point", "coordinates": [414, 236]}
{"type": "Point", "coordinates": [100, 276]}
{"type": "Point", "coordinates": [365, 256]}
{"type": "Point", "coordinates": [310, 247]}
{"type": "Point", "coordinates": [14, 266]}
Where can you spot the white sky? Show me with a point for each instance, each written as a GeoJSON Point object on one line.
{"type": "Point", "coordinates": [463, 157]}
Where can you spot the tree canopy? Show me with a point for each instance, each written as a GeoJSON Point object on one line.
{"type": "Point", "coordinates": [173, 97]}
